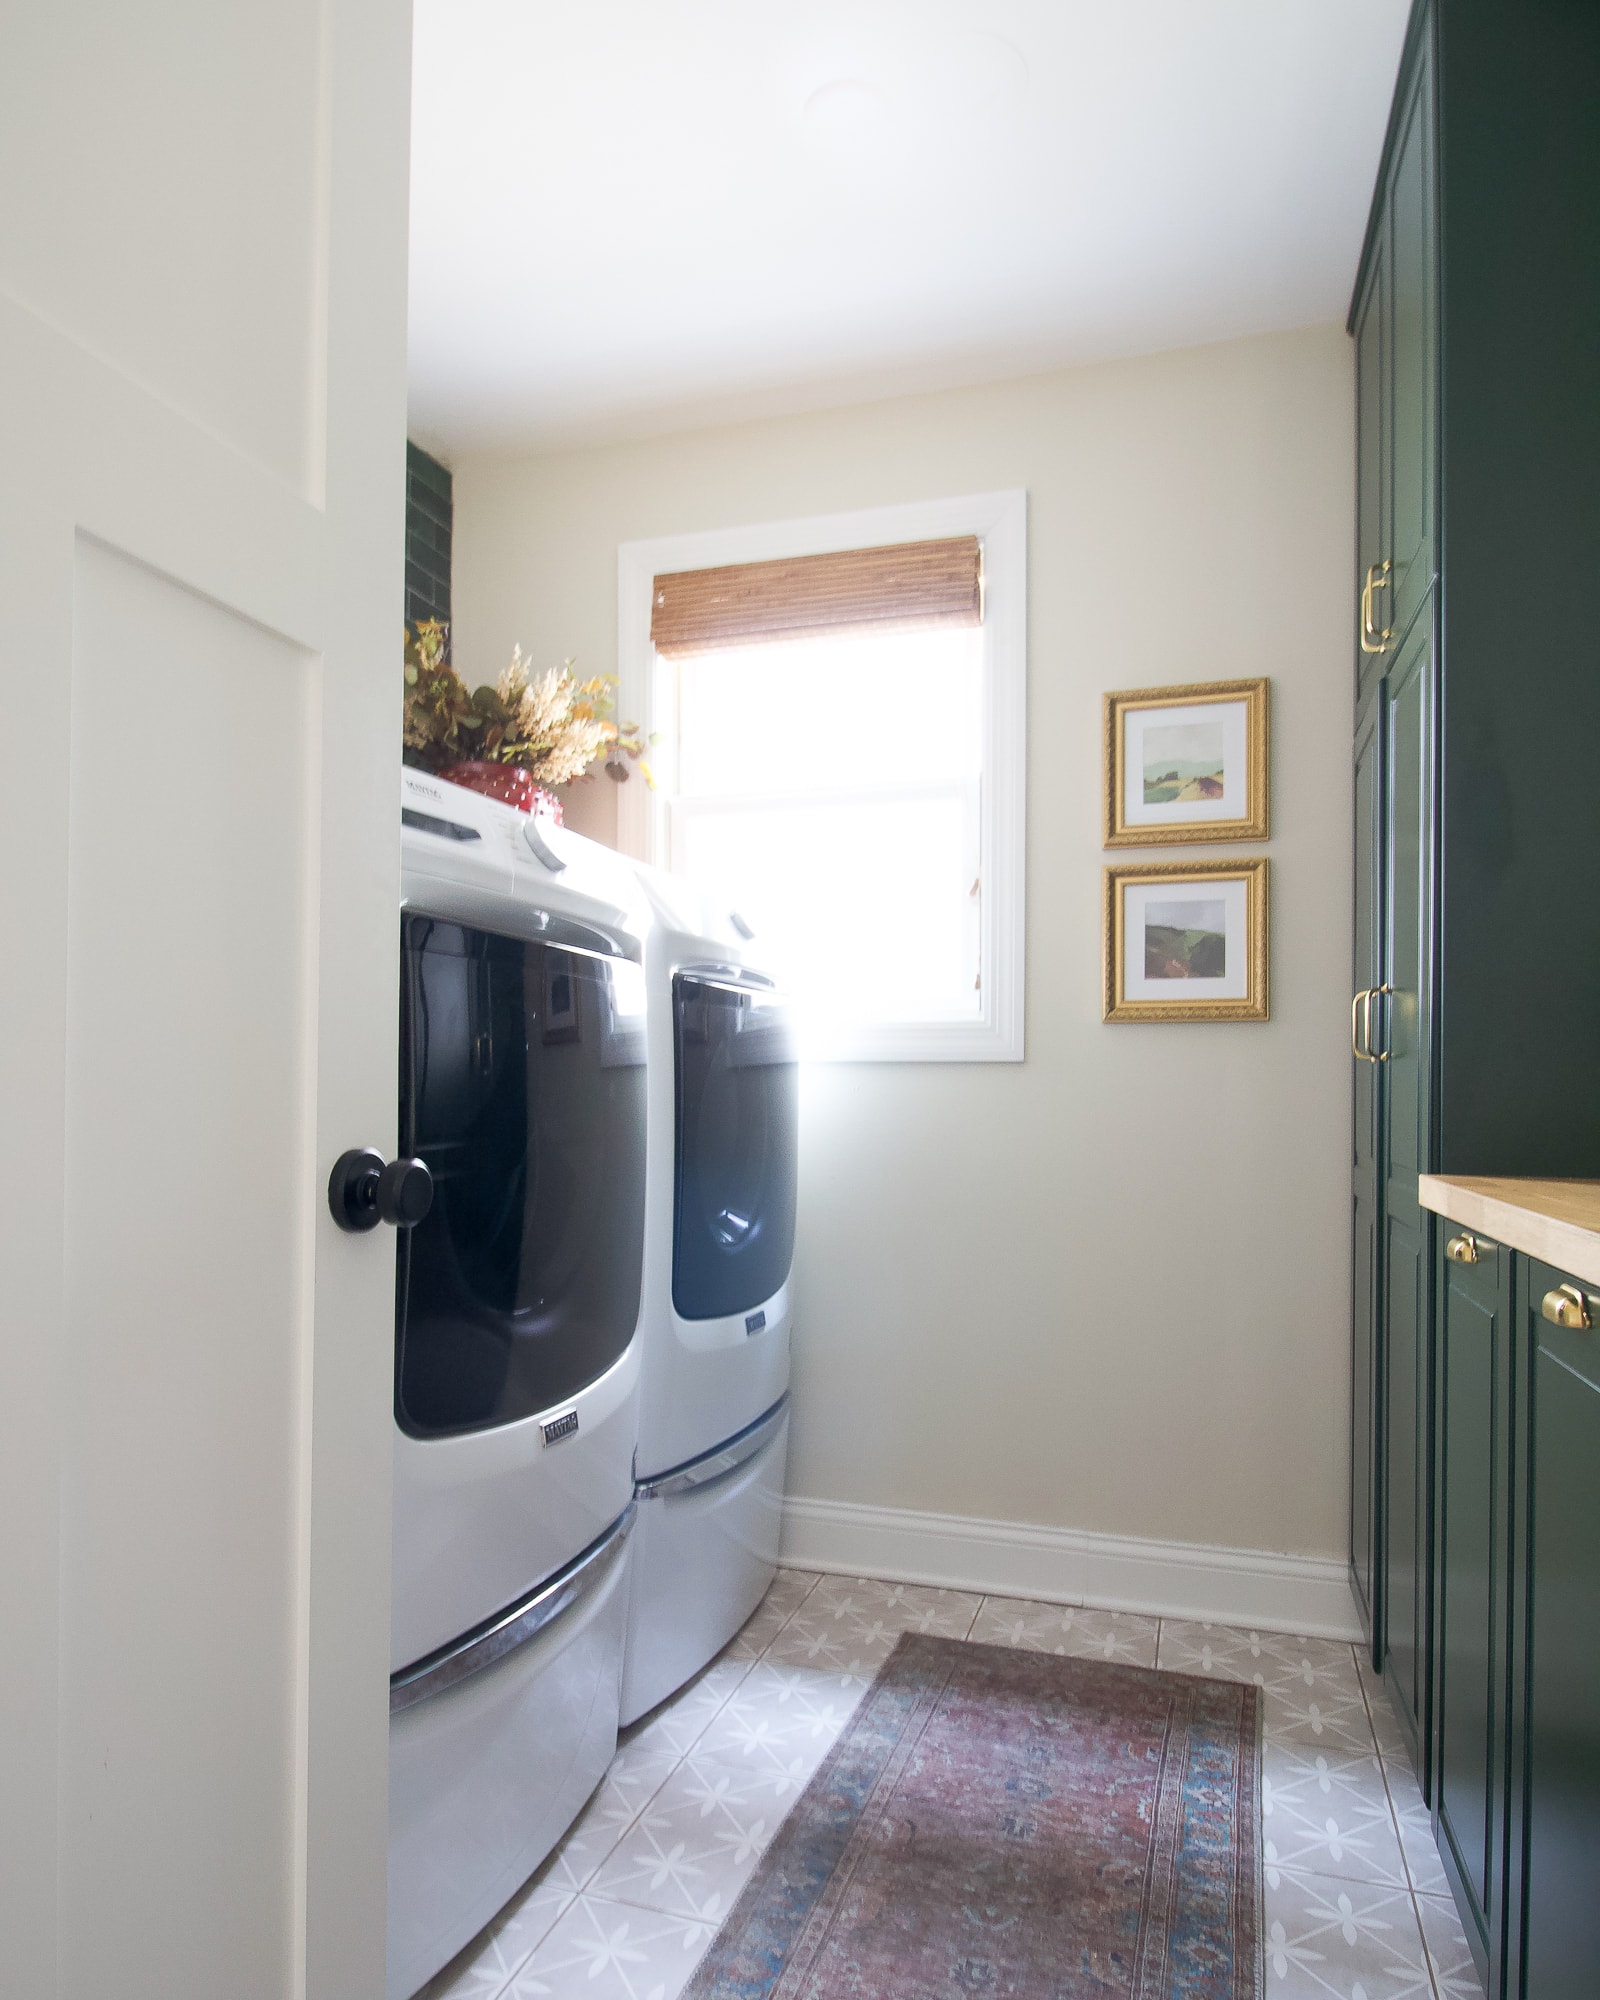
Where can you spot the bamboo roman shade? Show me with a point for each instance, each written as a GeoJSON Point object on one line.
{"type": "Point", "coordinates": [910, 585]}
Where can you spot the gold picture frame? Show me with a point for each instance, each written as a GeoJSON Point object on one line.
{"type": "Point", "coordinates": [1197, 956]}
{"type": "Point", "coordinates": [1199, 754]}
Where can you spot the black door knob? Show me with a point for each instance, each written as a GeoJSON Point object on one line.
{"type": "Point", "coordinates": [362, 1191]}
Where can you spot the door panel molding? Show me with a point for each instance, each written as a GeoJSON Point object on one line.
{"type": "Point", "coordinates": [284, 549]}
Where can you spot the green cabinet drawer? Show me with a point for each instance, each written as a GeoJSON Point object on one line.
{"type": "Point", "coordinates": [1560, 1944]}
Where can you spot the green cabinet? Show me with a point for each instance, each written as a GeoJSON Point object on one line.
{"type": "Point", "coordinates": [1516, 1592]}
{"type": "Point", "coordinates": [1370, 328]}
{"type": "Point", "coordinates": [1402, 1035]}
{"type": "Point", "coordinates": [1393, 1009]}
{"type": "Point", "coordinates": [1395, 330]}
{"type": "Point", "coordinates": [1474, 1381]}
{"type": "Point", "coordinates": [1411, 548]}
{"type": "Point", "coordinates": [1366, 1566]}
{"type": "Point", "coordinates": [1475, 319]}
{"type": "Point", "coordinates": [1475, 1448]}
{"type": "Point", "coordinates": [1558, 1680]}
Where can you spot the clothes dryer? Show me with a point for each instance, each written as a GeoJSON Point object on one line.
{"type": "Point", "coordinates": [523, 1088]}
{"type": "Point", "coordinates": [719, 1243]}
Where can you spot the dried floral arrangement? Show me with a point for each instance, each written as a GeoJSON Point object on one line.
{"type": "Point", "coordinates": [551, 725]}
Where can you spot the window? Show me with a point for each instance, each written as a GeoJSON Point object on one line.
{"type": "Point", "coordinates": [841, 753]}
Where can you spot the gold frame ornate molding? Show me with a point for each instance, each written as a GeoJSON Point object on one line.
{"type": "Point", "coordinates": [1255, 823]}
{"type": "Point", "coordinates": [1254, 1005]}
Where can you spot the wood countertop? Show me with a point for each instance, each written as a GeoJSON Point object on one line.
{"type": "Point", "coordinates": [1556, 1221]}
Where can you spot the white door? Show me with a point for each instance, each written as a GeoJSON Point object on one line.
{"type": "Point", "coordinates": [202, 413]}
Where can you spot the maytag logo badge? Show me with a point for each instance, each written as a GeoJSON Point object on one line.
{"type": "Point", "coordinates": [755, 1322]}
{"type": "Point", "coordinates": [560, 1427]}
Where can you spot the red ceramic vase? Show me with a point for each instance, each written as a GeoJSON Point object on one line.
{"type": "Point", "coordinates": [508, 783]}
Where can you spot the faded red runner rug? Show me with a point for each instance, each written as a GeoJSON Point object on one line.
{"type": "Point", "coordinates": [1015, 1826]}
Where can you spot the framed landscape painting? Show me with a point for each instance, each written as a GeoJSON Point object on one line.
{"type": "Point", "coordinates": [1186, 941]}
{"type": "Point", "coordinates": [1186, 764]}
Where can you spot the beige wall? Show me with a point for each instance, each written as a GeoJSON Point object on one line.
{"type": "Point", "coordinates": [1106, 1288]}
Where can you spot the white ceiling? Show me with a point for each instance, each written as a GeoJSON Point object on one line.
{"type": "Point", "coordinates": [631, 216]}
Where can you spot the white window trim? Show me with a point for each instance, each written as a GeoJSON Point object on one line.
{"type": "Point", "coordinates": [645, 694]}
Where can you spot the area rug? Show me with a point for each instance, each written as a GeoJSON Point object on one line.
{"type": "Point", "coordinates": [1016, 1826]}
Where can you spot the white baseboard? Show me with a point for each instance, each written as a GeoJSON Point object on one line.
{"type": "Point", "coordinates": [1281, 1593]}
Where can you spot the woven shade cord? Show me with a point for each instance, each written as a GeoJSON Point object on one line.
{"type": "Point", "coordinates": [908, 586]}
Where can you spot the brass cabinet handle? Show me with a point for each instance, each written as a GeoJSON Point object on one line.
{"type": "Point", "coordinates": [1373, 993]}
{"type": "Point", "coordinates": [1372, 640]}
{"type": "Point", "coordinates": [1567, 1306]}
{"type": "Point", "coordinates": [1462, 1249]}
{"type": "Point", "coordinates": [1365, 995]}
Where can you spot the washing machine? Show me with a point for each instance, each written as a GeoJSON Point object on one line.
{"type": "Point", "coordinates": [523, 1089]}
{"type": "Point", "coordinates": [719, 1243]}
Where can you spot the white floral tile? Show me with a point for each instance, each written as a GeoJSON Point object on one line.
{"type": "Point", "coordinates": [791, 1587]}
{"type": "Point", "coordinates": [1326, 1812]}
{"type": "Point", "coordinates": [1392, 1744]}
{"type": "Point", "coordinates": [777, 1777]}
{"type": "Point", "coordinates": [787, 1592]}
{"type": "Point", "coordinates": [1312, 1689]}
{"type": "Point", "coordinates": [1417, 1840]}
{"type": "Point", "coordinates": [627, 1905]}
{"type": "Point", "coordinates": [481, 1971]}
{"type": "Point", "coordinates": [613, 1951]}
{"type": "Point", "coordinates": [1404, 1790]}
{"type": "Point", "coordinates": [1270, 1659]}
{"type": "Point", "coordinates": [846, 1652]}
{"type": "Point", "coordinates": [695, 1845]}
{"type": "Point", "coordinates": [850, 1626]}
{"type": "Point", "coordinates": [637, 1770]}
{"type": "Point", "coordinates": [637, 1773]}
{"type": "Point", "coordinates": [1321, 1716]}
{"type": "Point", "coordinates": [478, 1973]}
{"type": "Point", "coordinates": [850, 1658]}
{"type": "Point", "coordinates": [892, 1607]}
{"type": "Point", "coordinates": [782, 1719]}
{"type": "Point", "coordinates": [757, 1632]}
{"type": "Point", "coordinates": [1330, 1939]}
{"type": "Point", "coordinates": [1454, 1971]}
{"type": "Point", "coordinates": [1073, 1629]}
{"type": "Point", "coordinates": [576, 1856]}
{"type": "Point", "coordinates": [675, 1725]}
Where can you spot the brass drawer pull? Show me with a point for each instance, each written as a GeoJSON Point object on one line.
{"type": "Point", "coordinates": [1372, 640]}
{"type": "Point", "coordinates": [1360, 1054]}
{"type": "Point", "coordinates": [1567, 1306]}
{"type": "Point", "coordinates": [1462, 1249]}
{"type": "Point", "coordinates": [1361, 1035]}
{"type": "Point", "coordinates": [1374, 1055]}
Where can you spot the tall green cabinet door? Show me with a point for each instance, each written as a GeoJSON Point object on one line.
{"type": "Point", "coordinates": [1402, 1037]}
{"type": "Point", "coordinates": [1473, 1377]}
{"type": "Point", "coordinates": [1372, 469]}
{"type": "Point", "coordinates": [1365, 1203]}
{"type": "Point", "coordinates": [1413, 338]}
{"type": "Point", "coordinates": [1561, 1919]}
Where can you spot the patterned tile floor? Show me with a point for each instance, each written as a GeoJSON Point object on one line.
{"type": "Point", "coordinates": [1356, 1906]}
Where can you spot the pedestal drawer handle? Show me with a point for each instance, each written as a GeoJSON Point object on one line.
{"type": "Point", "coordinates": [1462, 1249]}
{"type": "Point", "coordinates": [1567, 1306]}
